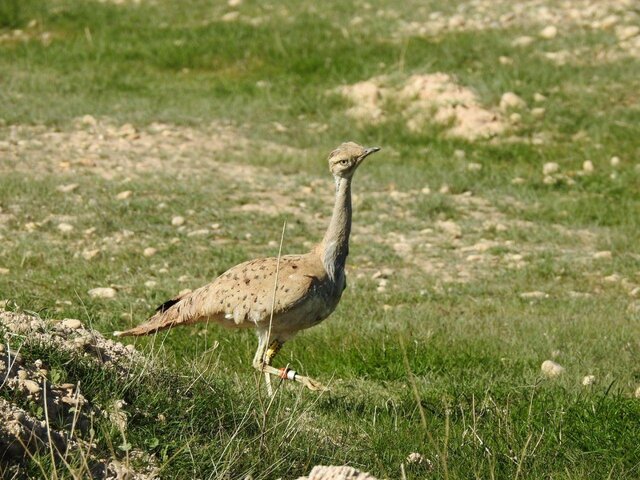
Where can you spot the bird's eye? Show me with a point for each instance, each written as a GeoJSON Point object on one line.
{"type": "Point", "coordinates": [343, 162]}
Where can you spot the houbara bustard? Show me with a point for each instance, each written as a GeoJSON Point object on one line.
{"type": "Point", "coordinates": [276, 296]}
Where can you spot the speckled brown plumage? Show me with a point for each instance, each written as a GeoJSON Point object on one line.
{"type": "Point", "coordinates": [308, 288]}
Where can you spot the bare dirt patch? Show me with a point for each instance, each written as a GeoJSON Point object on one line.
{"type": "Point", "coordinates": [423, 99]}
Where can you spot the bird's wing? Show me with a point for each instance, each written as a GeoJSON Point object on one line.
{"type": "Point", "coordinates": [243, 294]}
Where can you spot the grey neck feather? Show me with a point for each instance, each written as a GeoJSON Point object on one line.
{"type": "Point", "coordinates": [335, 245]}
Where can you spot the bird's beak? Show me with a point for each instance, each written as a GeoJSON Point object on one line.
{"type": "Point", "coordinates": [367, 152]}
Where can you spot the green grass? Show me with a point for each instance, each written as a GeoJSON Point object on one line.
{"type": "Point", "coordinates": [450, 370]}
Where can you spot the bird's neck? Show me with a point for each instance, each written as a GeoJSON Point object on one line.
{"type": "Point", "coordinates": [335, 245]}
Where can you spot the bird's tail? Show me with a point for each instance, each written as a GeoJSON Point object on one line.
{"type": "Point", "coordinates": [167, 315]}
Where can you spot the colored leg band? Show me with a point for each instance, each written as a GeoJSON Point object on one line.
{"type": "Point", "coordinates": [287, 374]}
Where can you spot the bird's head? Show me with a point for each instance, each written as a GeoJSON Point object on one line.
{"type": "Point", "coordinates": [345, 159]}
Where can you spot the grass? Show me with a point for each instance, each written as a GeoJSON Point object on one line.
{"type": "Point", "coordinates": [447, 369]}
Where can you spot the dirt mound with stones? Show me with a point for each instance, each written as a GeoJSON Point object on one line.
{"type": "Point", "coordinates": [424, 98]}
{"type": "Point", "coordinates": [39, 415]}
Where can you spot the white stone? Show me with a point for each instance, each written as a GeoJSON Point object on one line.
{"type": "Point", "coordinates": [234, 3]}
{"type": "Point", "coordinates": [177, 221]}
{"type": "Point", "coordinates": [72, 323]}
{"type": "Point", "coordinates": [518, 181]}
{"type": "Point", "coordinates": [474, 167]}
{"type": "Point", "coordinates": [515, 118]}
{"type": "Point", "coordinates": [536, 294]}
{"type": "Point", "coordinates": [510, 100]}
{"type": "Point", "coordinates": [230, 17]}
{"type": "Point", "coordinates": [637, 393]}
{"type": "Point", "coordinates": [603, 255]}
{"type": "Point", "coordinates": [588, 380]}
{"type": "Point", "coordinates": [613, 278]}
{"type": "Point", "coordinates": [199, 233]}
{"type": "Point", "coordinates": [523, 41]}
{"type": "Point", "coordinates": [90, 254]}
{"type": "Point", "coordinates": [538, 112]}
{"type": "Point", "coordinates": [587, 166]}
{"type": "Point", "coordinates": [65, 227]}
{"type": "Point", "coordinates": [149, 252]}
{"type": "Point", "coordinates": [550, 168]}
{"type": "Point", "coordinates": [32, 387]}
{"type": "Point", "coordinates": [538, 97]}
{"type": "Point", "coordinates": [635, 292]}
{"type": "Point", "coordinates": [459, 154]}
{"type": "Point", "coordinates": [625, 32]}
{"type": "Point", "coordinates": [615, 161]}
{"type": "Point", "coordinates": [150, 283]}
{"type": "Point", "coordinates": [4, 271]}
{"type": "Point", "coordinates": [102, 292]}
{"type": "Point", "coordinates": [450, 227]}
{"type": "Point", "coordinates": [124, 195]}
{"type": "Point", "coordinates": [70, 187]}
{"type": "Point", "coordinates": [551, 369]}
{"type": "Point", "coordinates": [549, 32]}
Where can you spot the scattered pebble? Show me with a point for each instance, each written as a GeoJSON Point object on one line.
{"type": "Point", "coordinates": [625, 32]}
{"type": "Point", "coordinates": [515, 118]}
{"type": "Point", "coordinates": [177, 221]}
{"type": "Point", "coordinates": [613, 278]}
{"type": "Point", "coordinates": [90, 254]}
{"type": "Point", "coordinates": [536, 294]}
{"type": "Point", "coordinates": [150, 283]}
{"type": "Point", "coordinates": [510, 100]}
{"type": "Point", "coordinates": [444, 189]}
{"type": "Point", "coordinates": [588, 380]}
{"type": "Point", "coordinates": [71, 323]}
{"type": "Point", "coordinates": [124, 195]}
{"type": "Point", "coordinates": [549, 180]}
{"type": "Point", "coordinates": [538, 112]}
{"type": "Point", "coordinates": [551, 369]}
{"type": "Point", "coordinates": [538, 97]}
{"type": "Point", "coordinates": [550, 168]}
{"type": "Point", "coordinates": [505, 60]}
{"type": "Point", "coordinates": [450, 227]}
{"type": "Point", "coordinates": [65, 227]}
{"type": "Point", "coordinates": [234, 3]}
{"type": "Point", "coordinates": [4, 271]}
{"type": "Point", "coordinates": [415, 458]}
{"type": "Point", "coordinates": [603, 255]}
{"type": "Point", "coordinates": [102, 292]}
{"type": "Point", "coordinates": [518, 181]}
{"type": "Point", "coordinates": [198, 233]}
{"type": "Point", "coordinates": [67, 188]}
{"type": "Point", "coordinates": [149, 252]}
{"type": "Point", "coordinates": [635, 292]}
{"type": "Point", "coordinates": [523, 41]}
{"type": "Point", "coordinates": [549, 32]}
{"type": "Point", "coordinates": [637, 394]}
{"type": "Point", "coordinates": [230, 17]}
{"type": "Point", "coordinates": [474, 167]}
{"type": "Point", "coordinates": [587, 166]}
{"type": "Point", "coordinates": [32, 387]}
{"type": "Point", "coordinates": [459, 154]}
{"type": "Point", "coordinates": [615, 161]}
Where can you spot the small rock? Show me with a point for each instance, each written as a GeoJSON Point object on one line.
{"type": "Point", "coordinates": [613, 278]}
{"type": "Point", "coordinates": [102, 292]}
{"type": "Point", "coordinates": [505, 60]}
{"type": "Point", "coordinates": [637, 394]}
{"type": "Point", "coordinates": [4, 271]}
{"type": "Point", "coordinates": [124, 195]}
{"type": "Point", "coordinates": [150, 283]}
{"type": "Point", "coordinates": [515, 118]}
{"type": "Point", "coordinates": [230, 17]}
{"type": "Point", "coordinates": [199, 233]}
{"type": "Point", "coordinates": [22, 374]}
{"type": "Point", "coordinates": [625, 32]}
{"type": "Point", "coordinates": [538, 112]}
{"type": "Point", "coordinates": [538, 97]}
{"type": "Point", "coordinates": [177, 221]}
{"type": "Point", "coordinates": [459, 154]}
{"type": "Point", "coordinates": [615, 162]}
{"type": "Point", "coordinates": [450, 227]}
{"type": "Point", "coordinates": [588, 380]}
{"type": "Point", "coordinates": [90, 254]}
{"type": "Point", "coordinates": [425, 191]}
{"type": "Point", "coordinates": [510, 100]}
{"type": "Point", "coordinates": [550, 168]}
{"type": "Point", "coordinates": [67, 188]}
{"type": "Point", "coordinates": [88, 120]}
{"type": "Point", "coordinates": [549, 32]}
{"type": "Point", "coordinates": [415, 458]}
{"type": "Point", "coordinates": [587, 166]}
{"type": "Point", "coordinates": [549, 180]}
{"type": "Point", "coordinates": [444, 189]}
{"type": "Point", "coordinates": [149, 252]}
{"type": "Point", "coordinates": [65, 227]}
{"type": "Point", "coordinates": [635, 292]}
{"type": "Point", "coordinates": [603, 255]}
{"type": "Point", "coordinates": [72, 323]}
{"type": "Point", "coordinates": [32, 387]}
{"type": "Point", "coordinates": [474, 167]}
{"type": "Point", "coordinates": [551, 369]}
{"type": "Point", "coordinates": [533, 295]}
{"type": "Point", "coordinates": [523, 41]}
{"type": "Point", "coordinates": [518, 181]}
{"type": "Point", "coordinates": [234, 3]}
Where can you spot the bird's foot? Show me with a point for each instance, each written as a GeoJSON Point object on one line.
{"type": "Point", "coordinates": [311, 384]}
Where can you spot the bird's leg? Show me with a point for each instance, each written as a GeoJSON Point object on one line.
{"type": "Point", "coordinates": [262, 362]}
